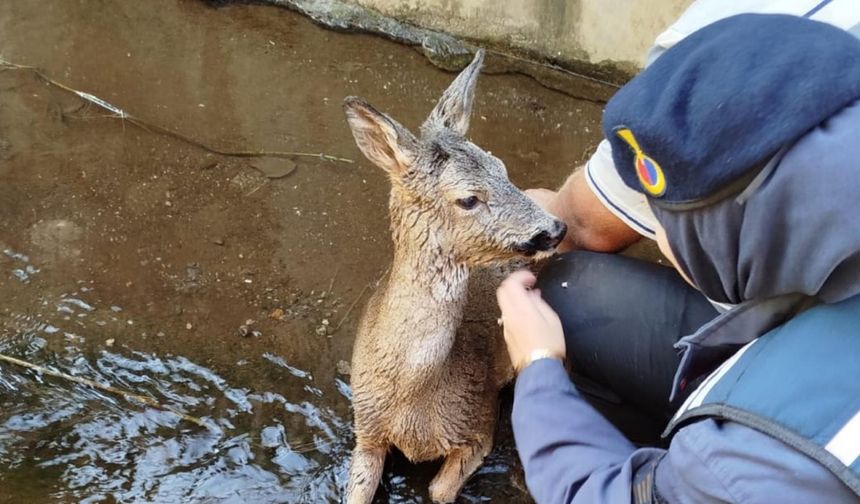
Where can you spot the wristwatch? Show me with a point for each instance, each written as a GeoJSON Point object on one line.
{"type": "Point", "coordinates": [541, 353]}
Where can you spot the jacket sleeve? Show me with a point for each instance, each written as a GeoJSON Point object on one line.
{"type": "Point", "coordinates": [570, 453]}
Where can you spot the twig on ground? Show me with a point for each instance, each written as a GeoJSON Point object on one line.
{"type": "Point", "coordinates": [331, 283]}
{"type": "Point", "coordinates": [360, 295]}
{"type": "Point", "coordinates": [556, 68]}
{"type": "Point", "coordinates": [349, 310]}
{"type": "Point", "coordinates": [118, 113]}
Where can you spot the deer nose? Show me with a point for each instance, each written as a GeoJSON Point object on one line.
{"type": "Point", "coordinates": [560, 231]}
{"type": "Point", "coordinates": [548, 240]}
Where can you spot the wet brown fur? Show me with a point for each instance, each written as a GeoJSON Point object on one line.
{"type": "Point", "coordinates": [419, 384]}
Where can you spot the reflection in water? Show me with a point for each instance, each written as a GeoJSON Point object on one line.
{"type": "Point", "coordinates": [24, 269]}
{"type": "Point", "coordinates": [261, 446]}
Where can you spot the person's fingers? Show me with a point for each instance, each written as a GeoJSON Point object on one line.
{"type": "Point", "coordinates": [524, 278]}
{"type": "Point", "coordinates": [516, 309]}
{"type": "Point", "coordinates": [538, 302]}
{"type": "Point", "coordinates": [535, 297]}
{"type": "Point", "coordinates": [513, 291]}
{"type": "Point", "coordinates": [545, 310]}
{"type": "Point", "coordinates": [543, 197]}
{"type": "Point", "coordinates": [508, 298]}
{"type": "Point", "coordinates": [540, 193]}
{"type": "Point", "coordinates": [538, 190]}
{"type": "Point", "coordinates": [535, 300]}
{"type": "Point", "coordinates": [507, 335]}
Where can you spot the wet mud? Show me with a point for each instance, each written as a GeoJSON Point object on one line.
{"type": "Point", "coordinates": [224, 287]}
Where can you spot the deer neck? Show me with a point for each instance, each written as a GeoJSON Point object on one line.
{"type": "Point", "coordinates": [430, 276]}
{"type": "Point", "coordinates": [426, 289]}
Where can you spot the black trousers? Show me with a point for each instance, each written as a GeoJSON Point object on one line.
{"type": "Point", "coordinates": [621, 317]}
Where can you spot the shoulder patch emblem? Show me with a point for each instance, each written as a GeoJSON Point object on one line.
{"type": "Point", "coordinates": [649, 172]}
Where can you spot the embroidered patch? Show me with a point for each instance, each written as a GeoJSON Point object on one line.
{"type": "Point", "coordinates": [649, 172]}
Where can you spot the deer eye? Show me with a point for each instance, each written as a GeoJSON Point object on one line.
{"type": "Point", "coordinates": [467, 203]}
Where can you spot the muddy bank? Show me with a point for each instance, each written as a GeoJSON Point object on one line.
{"type": "Point", "coordinates": [143, 262]}
{"type": "Point", "coordinates": [577, 78]}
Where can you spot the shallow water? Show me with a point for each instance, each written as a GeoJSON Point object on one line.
{"type": "Point", "coordinates": [272, 438]}
{"type": "Point", "coordinates": [147, 264]}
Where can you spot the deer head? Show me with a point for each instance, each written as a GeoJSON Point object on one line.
{"type": "Point", "coordinates": [447, 192]}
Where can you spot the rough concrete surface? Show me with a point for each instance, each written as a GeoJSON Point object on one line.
{"type": "Point", "coordinates": [607, 38]}
{"type": "Point", "coordinates": [617, 32]}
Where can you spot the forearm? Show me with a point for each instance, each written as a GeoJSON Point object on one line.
{"type": "Point", "coordinates": [571, 454]}
{"type": "Point", "coordinates": [590, 225]}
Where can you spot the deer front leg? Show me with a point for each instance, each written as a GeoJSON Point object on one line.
{"type": "Point", "coordinates": [458, 466]}
{"type": "Point", "coordinates": [365, 471]}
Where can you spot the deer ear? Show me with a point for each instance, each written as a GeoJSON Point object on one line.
{"type": "Point", "coordinates": [455, 107]}
{"type": "Point", "coordinates": [382, 140]}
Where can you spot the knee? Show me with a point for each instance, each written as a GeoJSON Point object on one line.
{"type": "Point", "coordinates": [576, 277]}
{"type": "Point", "coordinates": [589, 289]}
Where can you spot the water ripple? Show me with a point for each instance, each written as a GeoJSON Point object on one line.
{"type": "Point", "coordinates": [268, 446]}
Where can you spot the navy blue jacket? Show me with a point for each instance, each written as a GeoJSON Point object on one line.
{"type": "Point", "coordinates": [571, 454]}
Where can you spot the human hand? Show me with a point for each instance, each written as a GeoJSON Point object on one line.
{"type": "Point", "coordinates": [544, 198]}
{"type": "Point", "coordinates": [532, 328]}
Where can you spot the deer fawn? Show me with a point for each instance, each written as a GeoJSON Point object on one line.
{"type": "Point", "coordinates": [417, 384]}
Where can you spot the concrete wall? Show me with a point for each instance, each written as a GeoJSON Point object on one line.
{"type": "Point", "coordinates": [617, 32]}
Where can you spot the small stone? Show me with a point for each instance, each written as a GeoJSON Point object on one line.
{"type": "Point", "coordinates": [564, 285]}
{"type": "Point", "coordinates": [321, 330]}
{"type": "Point", "coordinates": [277, 314]}
{"type": "Point", "coordinates": [344, 368]}
{"type": "Point", "coordinates": [275, 168]}
{"type": "Point", "coordinates": [249, 322]}
{"type": "Point", "coordinates": [325, 322]}
{"type": "Point", "coordinates": [110, 342]}
{"type": "Point", "coordinates": [243, 331]}
{"type": "Point", "coordinates": [188, 326]}
{"type": "Point", "coordinates": [218, 241]}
